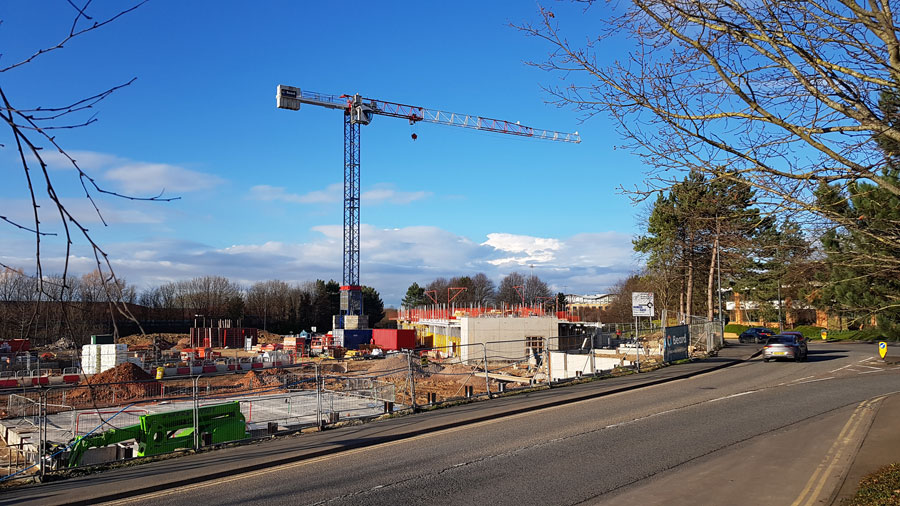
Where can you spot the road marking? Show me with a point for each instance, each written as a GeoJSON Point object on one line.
{"type": "Point", "coordinates": [810, 493]}
{"type": "Point", "coordinates": [814, 380]}
{"type": "Point", "coordinates": [801, 379]}
{"type": "Point", "coordinates": [839, 368]}
{"type": "Point", "coordinates": [870, 372]}
{"type": "Point", "coordinates": [732, 396]}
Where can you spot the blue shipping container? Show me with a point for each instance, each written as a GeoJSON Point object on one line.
{"type": "Point", "coordinates": [351, 339]}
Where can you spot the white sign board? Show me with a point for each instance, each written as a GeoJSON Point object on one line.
{"type": "Point", "coordinates": [642, 304]}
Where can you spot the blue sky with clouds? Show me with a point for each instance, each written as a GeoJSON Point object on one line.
{"type": "Point", "coordinates": [261, 187]}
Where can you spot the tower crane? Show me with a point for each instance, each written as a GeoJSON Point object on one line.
{"type": "Point", "coordinates": [359, 111]}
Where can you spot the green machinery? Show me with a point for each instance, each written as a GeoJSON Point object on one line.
{"type": "Point", "coordinates": [165, 432]}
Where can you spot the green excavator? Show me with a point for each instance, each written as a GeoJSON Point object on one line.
{"type": "Point", "coordinates": [165, 432]}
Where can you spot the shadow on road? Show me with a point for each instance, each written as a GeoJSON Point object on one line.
{"type": "Point", "coordinates": [825, 355]}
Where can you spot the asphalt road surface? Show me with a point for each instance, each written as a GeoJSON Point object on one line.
{"type": "Point", "coordinates": [754, 433]}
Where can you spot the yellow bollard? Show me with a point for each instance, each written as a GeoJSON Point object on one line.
{"type": "Point", "coordinates": [824, 334]}
{"type": "Point", "coordinates": [159, 372]}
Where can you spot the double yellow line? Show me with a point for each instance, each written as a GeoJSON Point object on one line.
{"type": "Point", "coordinates": [810, 494]}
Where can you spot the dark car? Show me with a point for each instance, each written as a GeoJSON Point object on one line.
{"type": "Point", "coordinates": [785, 347]}
{"type": "Point", "coordinates": [755, 335]}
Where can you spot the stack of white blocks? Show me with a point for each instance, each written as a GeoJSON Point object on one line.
{"type": "Point", "coordinates": [96, 358]}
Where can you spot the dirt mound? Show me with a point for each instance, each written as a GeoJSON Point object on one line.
{"type": "Point", "coordinates": [163, 340]}
{"type": "Point", "coordinates": [459, 373]}
{"type": "Point", "coordinates": [250, 380]}
{"type": "Point", "coordinates": [125, 382]}
{"type": "Point", "coordinates": [267, 378]}
{"type": "Point", "coordinates": [120, 373]}
{"type": "Point", "coordinates": [392, 367]}
{"type": "Point", "coordinates": [184, 342]}
{"type": "Point", "coordinates": [264, 337]}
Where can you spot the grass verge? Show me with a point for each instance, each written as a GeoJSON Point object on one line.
{"type": "Point", "coordinates": [881, 488]}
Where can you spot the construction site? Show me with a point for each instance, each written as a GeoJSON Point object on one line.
{"type": "Point", "coordinates": [143, 396]}
{"type": "Point", "coordinates": [458, 355]}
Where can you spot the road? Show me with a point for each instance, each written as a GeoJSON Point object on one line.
{"type": "Point", "coordinates": [754, 433]}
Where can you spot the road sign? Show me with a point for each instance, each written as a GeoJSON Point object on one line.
{"type": "Point", "coordinates": [882, 349]}
{"type": "Point", "coordinates": [642, 304]}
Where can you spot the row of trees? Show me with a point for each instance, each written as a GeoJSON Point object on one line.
{"type": "Point", "coordinates": [701, 229]}
{"type": "Point", "coordinates": [479, 290]}
{"type": "Point", "coordinates": [84, 306]}
{"type": "Point", "coordinates": [789, 107]}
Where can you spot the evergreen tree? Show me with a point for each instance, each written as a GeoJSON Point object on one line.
{"type": "Point", "coordinates": [373, 306]}
{"type": "Point", "coordinates": [688, 228]}
{"type": "Point", "coordinates": [415, 296]}
{"type": "Point", "coordinates": [862, 278]}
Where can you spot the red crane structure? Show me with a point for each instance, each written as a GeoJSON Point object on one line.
{"type": "Point", "coordinates": [360, 111]}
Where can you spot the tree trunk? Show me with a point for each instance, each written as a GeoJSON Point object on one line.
{"type": "Point", "coordinates": [709, 283]}
{"type": "Point", "coordinates": [689, 302]}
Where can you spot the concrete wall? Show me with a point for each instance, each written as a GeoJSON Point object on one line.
{"type": "Point", "coordinates": [491, 330]}
{"type": "Point", "coordinates": [571, 365]}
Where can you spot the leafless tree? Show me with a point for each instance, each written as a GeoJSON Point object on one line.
{"type": "Point", "coordinates": [33, 130]}
{"type": "Point", "coordinates": [530, 289]}
{"type": "Point", "coordinates": [784, 94]}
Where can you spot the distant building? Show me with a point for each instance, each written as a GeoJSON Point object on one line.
{"type": "Point", "coordinates": [597, 301]}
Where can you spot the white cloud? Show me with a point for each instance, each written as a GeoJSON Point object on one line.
{"type": "Point", "coordinates": [380, 193]}
{"type": "Point", "coordinates": [112, 210]}
{"type": "Point", "coordinates": [134, 177]}
{"type": "Point", "coordinates": [87, 160]}
{"type": "Point", "coordinates": [331, 194]}
{"type": "Point", "coordinates": [530, 249]}
{"type": "Point", "coordinates": [385, 193]}
{"type": "Point", "coordinates": [391, 259]}
{"type": "Point", "coordinates": [141, 178]}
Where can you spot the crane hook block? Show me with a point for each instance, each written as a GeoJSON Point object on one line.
{"type": "Point", "coordinates": [414, 136]}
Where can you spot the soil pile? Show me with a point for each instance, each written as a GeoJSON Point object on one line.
{"type": "Point", "coordinates": [250, 380]}
{"type": "Point", "coordinates": [396, 367]}
{"type": "Point", "coordinates": [163, 340]}
{"type": "Point", "coordinates": [125, 382]}
{"type": "Point", "coordinates": [264, 337]}
{"type": "Point", "coordinates": [459, 373]}
{"type": "Point", "coordinates": [262, 379]}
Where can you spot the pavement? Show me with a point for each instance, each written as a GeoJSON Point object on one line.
{"type": "Point", "coordinates": [880, 447]}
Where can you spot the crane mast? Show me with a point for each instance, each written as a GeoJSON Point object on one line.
{"type": "Point", "coordinates": [360, 111]}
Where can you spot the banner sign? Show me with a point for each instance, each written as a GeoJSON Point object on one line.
{"type": "Point", "coordinates": [642, 304]}
{"type": "Point", "coordinates": [677, 339]}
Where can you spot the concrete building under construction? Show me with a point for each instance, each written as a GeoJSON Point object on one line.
{"type": "Point", "coordinates": [469, 333]}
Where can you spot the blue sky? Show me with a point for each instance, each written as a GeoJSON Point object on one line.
{"type": "Point", "coordinates": [260, 187]}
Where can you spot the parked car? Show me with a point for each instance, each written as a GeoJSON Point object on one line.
{"type": "Point", "coordinates": [785, 347]}
{"type": "Point", "coordinates": [755, 335]}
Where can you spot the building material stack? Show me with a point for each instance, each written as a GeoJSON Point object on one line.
{"type": "Point", "coordinates": [96, 358]}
